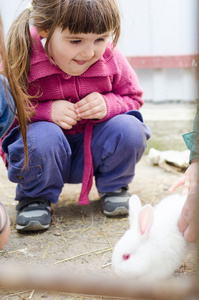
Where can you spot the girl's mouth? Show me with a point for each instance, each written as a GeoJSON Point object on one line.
{"type": "Point", "coordinates": [80, 62]}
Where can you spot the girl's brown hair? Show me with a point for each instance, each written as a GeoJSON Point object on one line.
{"type": "Point", "coordinates": [21, 100]}
{"type": "Point", "coordinates": [79, 16]}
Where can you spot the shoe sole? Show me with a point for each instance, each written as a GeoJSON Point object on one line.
{"type": "Point", "coordinates": [122, 210]}
{"type": "Point", "coordinates": [32, 226]}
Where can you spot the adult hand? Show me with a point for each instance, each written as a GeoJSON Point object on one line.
{"type": "Point", "coordinates": [188, 221]}
{"type": "Point", "coordinates": [4, 228]}
{"type": "Point", "coordinates": [93, 106]}
{"type": "Point", "coordinates": [63, 114]}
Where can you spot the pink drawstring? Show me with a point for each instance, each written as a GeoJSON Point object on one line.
{"type": "Point", "coordinates": [88, 165]}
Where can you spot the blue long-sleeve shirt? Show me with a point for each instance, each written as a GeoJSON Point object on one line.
{"type": "Point", "coordinates": [192, 138]}
{"type": "Point", "coordinates": [7, 106]}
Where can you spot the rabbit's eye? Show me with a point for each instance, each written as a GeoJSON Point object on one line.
{"type": "Point", "coordinates": [126, 256]}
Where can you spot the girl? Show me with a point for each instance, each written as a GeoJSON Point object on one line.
{"type": "Point", "coordinates": [86, 99]}
{"type": "Point", "coordinates": [7, 114]}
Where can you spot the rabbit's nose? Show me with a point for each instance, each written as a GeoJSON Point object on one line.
{"type": "Point", "coordinates": [126, 256]}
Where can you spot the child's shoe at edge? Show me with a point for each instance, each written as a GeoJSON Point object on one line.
{"type": "Point", "coordinates": [33, 214]}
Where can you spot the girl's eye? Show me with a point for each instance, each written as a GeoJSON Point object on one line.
{"type": "Point", "coordinates": [74, 42]}
{"type": "Point", "coordinates": [100, 40]}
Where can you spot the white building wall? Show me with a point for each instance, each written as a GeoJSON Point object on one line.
{"type": "Point", "coordinates": [10, 9]}
{"type": "Point", "coordinates": [159, 27]}
{"type": "Point", "coordinates": [162, 85]}
{"type": "Point", "coordinates": [151, 28]}
{"type": "Point", "coordinates": [162, 28]}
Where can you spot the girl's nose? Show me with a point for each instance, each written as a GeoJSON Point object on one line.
{"type": "Point", "coordinates": [88, 51]}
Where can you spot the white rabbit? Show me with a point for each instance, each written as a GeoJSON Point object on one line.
{"type": "Point", "coordinates": [153, 248]}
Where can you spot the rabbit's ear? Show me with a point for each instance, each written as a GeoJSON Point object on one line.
{"type": "Point", "coordinates": [146, 218]}
{"type": "Point", "coordinates": [134, 209]}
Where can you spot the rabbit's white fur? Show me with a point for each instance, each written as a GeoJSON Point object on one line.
{"type": "Point", "coordinates": [153, 248]}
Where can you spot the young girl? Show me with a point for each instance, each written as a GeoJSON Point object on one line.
{"type": "Point", "coordinates": [7, 114]}
{"type": "Point", "coordinates": [86, 99]}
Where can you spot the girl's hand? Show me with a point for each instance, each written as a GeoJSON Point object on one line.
{"type": "Point", "coordinates": [93, 106]}
{"type": "Point", "coordinates": [187, 222]}
{"type": "Point", "coordinates": [63, 114]}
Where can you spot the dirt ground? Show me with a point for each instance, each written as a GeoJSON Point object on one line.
{"type": "Point", "coordinates": [81, 238]}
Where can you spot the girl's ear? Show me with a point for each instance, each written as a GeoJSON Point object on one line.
{"type": "Point", "coordinates": [146, 218]}
{"type": "Point", "coordinates": [43, 33]}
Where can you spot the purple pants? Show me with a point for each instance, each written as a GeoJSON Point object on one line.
{"type": "Point", "coordinates": [54, 158]}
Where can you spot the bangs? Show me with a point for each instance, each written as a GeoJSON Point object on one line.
{"type": "Point", "coordinates": [90, 16]}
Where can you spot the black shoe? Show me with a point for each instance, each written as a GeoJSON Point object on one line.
{"type": "Point", "coordinates": [33, 214]}
{"type": "Point", "coordinates": [115, 203]}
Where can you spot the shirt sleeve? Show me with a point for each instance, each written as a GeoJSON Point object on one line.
{"type": "Point", "coordinates": [192, 139]}
{"type": "Point", "coordinates": [7, 106]}
{"type": "Point", "coordinates": [42, 111]}
{"type": "Point", "coordinates": [126, 91]}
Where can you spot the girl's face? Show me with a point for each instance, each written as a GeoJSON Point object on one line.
{"type": "Point", "coordinates": [75, 53]}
